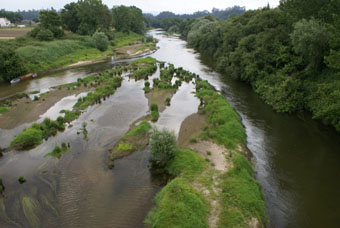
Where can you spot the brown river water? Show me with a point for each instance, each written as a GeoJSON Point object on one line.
{"type": "Point", "coordinates": [296, 158]}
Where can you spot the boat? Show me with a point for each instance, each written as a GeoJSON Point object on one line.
{"type": "Point", "coordinates": [27, 76]}
{"type": "Point", "coordinates": [15, 80]}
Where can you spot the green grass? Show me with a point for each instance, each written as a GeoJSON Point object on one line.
{"type": "Point", "coordinates": [108, 88]}
{"type": "Point", "coordinates": [242, 198]}
{"type": "Point", "coordinates": [142, 128]}
{"type": "Point", "coordinates": [178, 205]}
{"type": "Point", "coordinates": [224, 123]}
{"type": "Point", "coordinates": [137, 138]}
{"type": "Point", "coordinates": [28, 138]}
{"type": "Point", "coordinates": [186, 164]}
{"type": "Point", "coordinates": [3, 110]}
{"type": "Point", "coordinates": [57, 152]}
{"type": "Point", "coordinates": [122, 147]}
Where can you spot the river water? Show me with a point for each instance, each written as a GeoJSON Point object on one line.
{"type": "Point", "coordinates": [296, 158]}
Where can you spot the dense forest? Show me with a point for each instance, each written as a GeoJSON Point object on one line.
{"type": "Point", "coordinates": [290, 55]}
{"type": "Point", "coordinates": [171, 21]}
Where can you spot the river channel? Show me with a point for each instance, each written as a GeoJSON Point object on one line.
{"type": "Point", "coordinates": [296, 159]}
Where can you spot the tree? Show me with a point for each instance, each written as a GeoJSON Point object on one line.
{"type": "Point", "coordinates": [163, 147]}
{"type": "Point", "coordinates": [310, 39]}
{"type": "Point", "coordinates": [50, 19]}
{"type": "Point", "coordinates": [100, 41]}
{"type": "Point", "coordinates": [93, 16]}
{"type": "Point", "coordinates": [11, 66]}
{"type": "Point", "coordinates": [127, 19]}
{"type": "Point", "coordinates": [69, 17]}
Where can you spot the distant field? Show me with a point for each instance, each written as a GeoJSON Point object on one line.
{"type": "Point", "coordinates": [13, 32]}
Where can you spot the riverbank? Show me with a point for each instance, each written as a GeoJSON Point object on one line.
{"type": "Point", "coordinates": [74, 50]}
{"type": "Point", "coordinates": [212, 169]}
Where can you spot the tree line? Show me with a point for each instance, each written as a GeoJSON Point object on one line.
{"type": "Point", "coordinates": [171, 20]}
{"type": "Point", "coordinates": [290, 55]}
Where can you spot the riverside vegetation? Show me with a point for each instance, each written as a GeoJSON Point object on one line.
{"type": "Point", "coordinates": [289, 55]}
{"type": "Point", "coordinates": [92, 37]}
{"type": "Point", "coordinates": [186, 201]}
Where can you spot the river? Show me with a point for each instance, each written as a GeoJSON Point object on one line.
{"type": "Point", "coordinates": [296, 159]}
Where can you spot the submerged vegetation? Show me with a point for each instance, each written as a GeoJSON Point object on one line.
{"type": "Point", "coordinates": [57, 152]}
{"type": "Point", "coordinates": [136, 139]}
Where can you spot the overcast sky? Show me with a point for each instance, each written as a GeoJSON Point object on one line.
{"type": "Point", "coordinates": [149, 6]}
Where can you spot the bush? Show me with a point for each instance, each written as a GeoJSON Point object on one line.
{"type": "Point", "coordinates": [21, 179]}
{"type": "Point", "coordinates": [100, 41]}
{"type": "Point", "coordinates": [154, 116]}
{"type": "Point", "coordinates": [167, 101]}
{"type": "Point", "coordinates": [28, 138]}
{"type": "Point", "coordinates": [45, 35]}
{"type": "Point", "coordinates": [163, 147]}
{"type": "Point", "coordinates": [154, 107]}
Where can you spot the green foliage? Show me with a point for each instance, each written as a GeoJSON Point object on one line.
{"type": "Point", "coordinates": [154, 116]}
{"type": "Point", "coordinates": [187, 164]}
{"type": "Point", "coordinates": [154, 107]}
{"type": "Point", "coordinates": [310, 40]}
{"type": "Point", "coordinates": [69, 116]}
{"type": "Point", "coordinates": [11, 65]}
{"type": "Point", "coordinates": [142, 128]}
{"type": "Point", "coordinates": [21, 179]}
{"type": "Point", "coordinates": [50, 20]}
{"type": "Point", "coordinates": [242, 198]}
{"type": "Point", "coordinates": [86, 17]}
{"type": "Point", "coordinates": [101, 41]}
{"type": "Point", "coordinates": [3, 110]}
{"type": "Point", "coordinates": [167, 101]}
{"type": "Point", "coordinates": [45, 35]}
{"type": "Point", "coordinates": [163, 147]}
{"type": "Point", "coordinates": [283, 53]}
{"type": "Point", "coordinates": [124, 147]}
{"type": "Point", "coordinates": [102, 91]}
{"type": "Point", "coordinates": [178, 205]}
{"type": "Point", "coordinates": [224, 123]}
{"type": "Point", "coordinates": [57, 152]}
{"type": "Point", "coordinates": [28, 138]}
{"type": "Point", "coordinates": [127, 19]}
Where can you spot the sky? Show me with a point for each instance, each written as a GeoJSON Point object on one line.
{"type": "Point", "coordinates": [148, 6]}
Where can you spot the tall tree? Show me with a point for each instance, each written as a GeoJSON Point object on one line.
{"type": "Point", "coordinates": [50, 19]}
{"type": "Point", "coordinates": [93, 16]}
{"type": "Point", "coordinates": [127, 19]}
{"type": "Point", "coordinates": [69, 17]}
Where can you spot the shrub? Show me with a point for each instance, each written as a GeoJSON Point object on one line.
{"type": "Point", "coordinates": [163, 147]}
{"type": "Point", "coordinates": [21, 179]}
{"type": "Point", "coordinates": [147, 84]}
{"type": "Point", "coordinates": [28, 138]}
{"type": "Point", "coordinates": [45, 35]}
{"type": "Point", "coordinates": [193, 140]}
{"type": "Point", "coordinates": [154, 107]}
{"type": "Point", "coordinates": [154, 116]}
{"type": "Point", "coordinates": [167, 101]}
{"type": "Point", "coordinates": [100, 41]}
